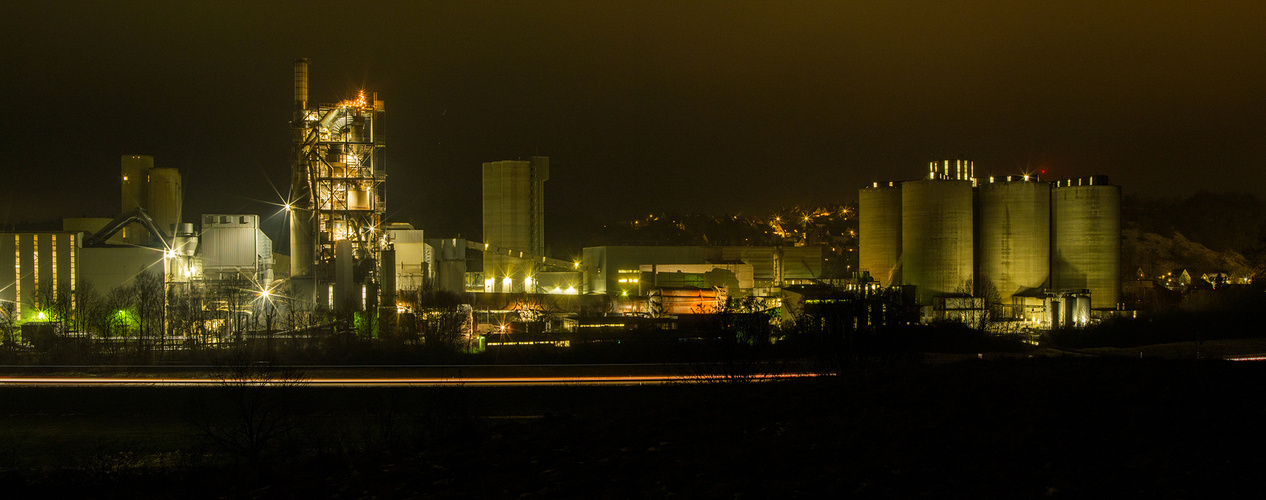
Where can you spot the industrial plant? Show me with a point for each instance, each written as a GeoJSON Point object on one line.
{"type": "Point", "coordinates": [1041, 253]}
{"type": "Point", "coordinates": [1002, 249]}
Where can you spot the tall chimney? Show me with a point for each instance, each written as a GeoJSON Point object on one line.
{"type": "Point", "coordinates": [301, 83]}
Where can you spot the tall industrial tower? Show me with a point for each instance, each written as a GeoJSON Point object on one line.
{"type": "Point", "coordinates": [337, 195]}
{"type": "Point", "coordinates": [156, 190]}
{"type": "Point", "coordinates": [514, 220]}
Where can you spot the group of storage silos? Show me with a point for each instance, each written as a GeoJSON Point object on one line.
{"type": "Point", "coordinates": [1047, 252]}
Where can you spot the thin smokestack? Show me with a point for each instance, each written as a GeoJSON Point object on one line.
{"type": "Point", "coordinates": [301, 83]}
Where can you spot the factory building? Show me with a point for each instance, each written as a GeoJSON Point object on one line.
{"type": "Point", "coordinates": [1028, 245]}
{"type": "Point", "coordinates": [514, 220]}
{"type": "Point", "coordinates": [621, 271]}
{"type": "Point", "coordinates": [233, 248]}
{"type": "Point", "coordinates": [42, 266]}
{"type": "Point", "coordinates": [411, 258]}
{"type": "Point", "coordinates": [336, 198]}
{"type": "Point", "coordinates": [448, 263]}
{"type": "Point", "coordinates": [412, 262]}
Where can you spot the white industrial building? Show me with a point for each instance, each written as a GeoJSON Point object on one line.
{"type": "Point", "coordinates": [232, 247]}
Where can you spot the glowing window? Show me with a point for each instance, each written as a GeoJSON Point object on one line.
{"type": "Point", "coordinates": [72, 267]}
{"type": "Point", "coordinates": [54, 256]}
{"type": "Point", "coordinates": [35, 269]}
{"type": "Point", "coordinates": [17, 273]}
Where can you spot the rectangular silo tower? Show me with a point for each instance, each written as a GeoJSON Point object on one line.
{"type": "Point", "coordinates": [513, 220]}
{"type": "Point", "coordinates": [135, 193]}
{"type": "Point", "coordinates": [163, 201]}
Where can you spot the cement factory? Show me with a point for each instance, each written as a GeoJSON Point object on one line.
{"type": "Point", "coordinates": [1047, 254]}
{"type": "Point", "coordinates": [1012, 249]}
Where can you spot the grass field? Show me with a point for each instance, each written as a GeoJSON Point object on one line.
{"type": "Point", "coordinates": [1012, 428]}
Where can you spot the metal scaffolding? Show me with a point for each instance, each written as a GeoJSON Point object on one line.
{"type": "Point", "coordinates": [337, 187]}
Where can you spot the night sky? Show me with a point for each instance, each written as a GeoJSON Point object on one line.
{"type": "Point", "coordinates": [642, 106]}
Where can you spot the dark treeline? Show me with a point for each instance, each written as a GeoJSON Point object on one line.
{"type": "Point", "coordinates": [1203, 233]}
{"type": "Point", "coordinates": [1219, 221]}
{"type": "Point", "coordinates": [1205, 314]}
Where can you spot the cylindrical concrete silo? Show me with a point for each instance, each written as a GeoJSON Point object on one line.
{"type": "Point", "coordinates": [1086, 239]}
{"type": "Point", "coordinates": [879, 226]}
{"type": "Point", "coordinates": [1013, 235]}
{"type": "Point", "coordinates": [936, 237]}
{"type": "Point", "coordinates": [133, 168]}
{"type": "Point", "coordinates": [164, 198]}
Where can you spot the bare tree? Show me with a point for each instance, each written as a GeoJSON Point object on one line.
{"type": "Point", "coordinates": [151, 314]}
{"type": "Point", "coordinates": [8, 323]}
{"type": "Point", "coordinates": [117, 318]}
{"type": "Point", "coordinates": [255, 412]}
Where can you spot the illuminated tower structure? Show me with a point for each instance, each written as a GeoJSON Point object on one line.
{"type": "Point", "coordinates": [514, 222]}
{"type": "Point", "coordinates": [337, 196]}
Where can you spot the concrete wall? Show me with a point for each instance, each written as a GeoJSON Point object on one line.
{"type": "Point", "coordinates": [90, 226]}
{"type": "Point", "coordinates": [107, 268]}
{"type": "Point", "coordinates": [937, 254]}
{"type": "Point", "coordinates": [1013, 235]}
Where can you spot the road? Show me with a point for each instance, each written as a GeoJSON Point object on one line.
{"type": "Point", "coordinates": [417, 376]}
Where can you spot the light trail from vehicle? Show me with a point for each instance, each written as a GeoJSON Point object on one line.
{"type": "Point", "coordinates": [1256, 357]}
{"type": "Point", "coordinates": [387, 382]}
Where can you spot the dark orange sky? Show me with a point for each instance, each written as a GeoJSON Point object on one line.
{"type": "Point", "coordinates": [642, 106]}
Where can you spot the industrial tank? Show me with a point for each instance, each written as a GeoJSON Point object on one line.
{"type": "Point", "coordinates": [879, 226]}
{"type": "Point", "coordinates": [1086, 234]}
{"type": "Point", "coordinates": [164, 198]}
{"type": "Point", "coordinates": [1013, 223]}
{"type": "Point", "coordinates": [936, 237]}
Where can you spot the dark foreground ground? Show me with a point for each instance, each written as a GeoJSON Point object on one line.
{"type": "Point", "coordinates": [1057, 428]}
